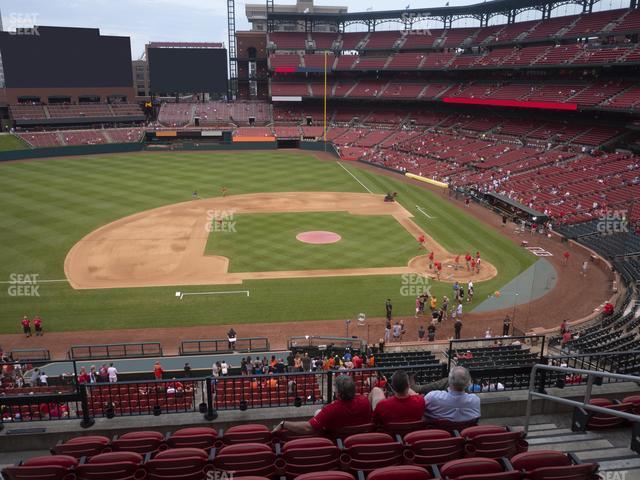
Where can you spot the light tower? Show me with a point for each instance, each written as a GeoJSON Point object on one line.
{"type": "Point", "coordinates": [233, 56]}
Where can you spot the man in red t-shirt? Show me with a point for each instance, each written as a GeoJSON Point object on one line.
{"type": "Point", "coordinates": [37, 323]}
{"type": "Point", "coordinates": [565, 259]}
{"type": "Point", "coordinates": [431, 256]}
{"type": "Point", "coordinates": [467, 259]}
{"type": "Point", "coordinates": [404, 406]}
{"type": "Point", "coordinates": [357, 361]}
{"type": "Point", "coordinates": [348, 410]}
{"type": "Point", "coordinates": [26, 326]}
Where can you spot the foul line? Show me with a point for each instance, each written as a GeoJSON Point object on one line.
{"type": "Point", "coordinates": [180, 295]}
{"type": "Point", "coordinates": [424, 213]}
{"type": "Point", "coordinates": [354, 177]}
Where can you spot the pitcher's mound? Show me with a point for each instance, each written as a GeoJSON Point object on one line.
{"type": "Point", "coordinates": [318, 237]}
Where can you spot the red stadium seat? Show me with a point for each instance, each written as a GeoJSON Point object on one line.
{"type": "Point", "coordinates": [112, 466]}
{"type": "Point", "coordinates": [551, 465]}
{"type": "Point", "coordinates": [401, 472]}
{"type": "Point", "coordinates": [402, 428]}
{"type": "Point", "coordinates": [493, 441]}
{"type": "Point", "coordinates": [448, 425]}
{"type": "Point", "coordinates": [432, 447]}
{"type": "Point", "coordinates": [355, 429]}
{"type": "Point", "coordinates": [59, 467]}
{"type": "Point", "coordinates": [368, 451]}
{"type": "Point", "coordinates": [248, 459]}
{"type": "Point", "coordinates": [87, 446]}
{"type": "Point", "coordinates": [635, 401]}
{"type": "Point", "coordinates": [179, 463]}
{"type": "Point", "coordinates": [477, 468]}
{"type": "Point", "coordinates": [309, 455]}
{"type": "Point", "coordinates": [250, 433]}
{"type": "Point", "coordinates": [602, 420]}
{"type": "Point", "coordinates": [193, 437]}
{"type": "Point", "coordinates": [147, 441]}
{"type": "Point", "coordinates": [337, 475]}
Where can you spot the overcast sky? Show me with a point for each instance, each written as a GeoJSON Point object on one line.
{"type": "Point", "coordinates": [176, 20]}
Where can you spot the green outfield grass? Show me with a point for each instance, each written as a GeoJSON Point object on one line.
{"type": "Point", "coordinates": [48, 205]}
{"type": "Point", "coordinates": [10, 142]}
{"type": "Point", "coordinates": [267, 242]}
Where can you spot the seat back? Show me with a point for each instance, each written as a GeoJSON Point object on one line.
{"type": "Point", "coordinates": [400, 472]}
{"type": "Point", "coordinates": [41, 472]}
{"type": "Point", "coordinates": [337, 475]}
{"type": "Point", "coordinates": [355, 429]}
{"type": "Point", "coordinates": [529, 461]}
{"type": "Point", "coordinates": [450, 426]}
{"type": "Point", "coordinates": [369, 451]}
{"type": "Point", "coordinates": [496, 445]}
{"type": "Point", "coordinates": [432, 447]}
{"type": "Point", "coordinates": [140, 442]}
{"type": "Point", "coordinates": [194, 437]}
{"type": "Point", "coordinates": [82, 447]}
{"type": "Point", "coordinates": [308, 455]}
{"type": "Point", "coordinates": [635, 401]}
{"type": "Point", "coordinates": [105, 470]}
{"type": "Point", "coordinates": [602, 420]}
{"type": "Point", "coordinates": [402, 428]}
{"type": "Point", "coordinates": [250, 433]}
{"type": "Point", "coordinates": [179, 463]}
{"type": "Point", "coordinates": [247, 459]}
{"type": "Point", "coordinates": [582, 471]}
{"type": "Point", "coordinates": [470, 466]}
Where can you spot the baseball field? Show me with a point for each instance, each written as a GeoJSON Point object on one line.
{"type": "Point", "coordinates": [105, 242]}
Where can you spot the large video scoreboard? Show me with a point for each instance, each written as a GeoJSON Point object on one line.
{"type": "Point", "coordinates": [52, 57]}
{"type": "Point", "coordinates": [187, 70]}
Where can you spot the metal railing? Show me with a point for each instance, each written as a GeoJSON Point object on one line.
{"type": "Point", "coordinates": [30, 355]}
{"type": "Point", "coordinates": [199, 347]}
{"type": "Point", "coordinates": [590, 375]}
{"type": "Point", "coordinates": [625, 363]}
{"type": "Point", "coordinates": [115, 350]}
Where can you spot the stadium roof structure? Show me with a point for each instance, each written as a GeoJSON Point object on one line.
{"type": "Point", "coordinates": [482, 11]}
{"type": "Point", "coordinates": [185, 45]}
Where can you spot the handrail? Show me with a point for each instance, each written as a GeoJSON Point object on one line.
{"type": "Point", "coordinates": [591, 376]}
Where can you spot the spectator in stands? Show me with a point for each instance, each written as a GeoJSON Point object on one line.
{"type": "Point", "coordinates": [93, 374]}
{"type": "Point", "coordinates": [224, 368]}
{"type": "Point", "coordinates": [112, 373]}
{"type": "Point", "coordinates": [43, 379]}
{"type": "Point", "coordinates": [566, 337]}
{"type": "Point", "coordinates": [403, 406]}
{"type": "Point", "coordinates": [347, 410]}
{"type": "Point", "coordinates": [103, 374]}
{"type": "Point", "coordinates": [157, 371]}
{"type": "Point", "coordinates": [215, 369]}
{"type": "Point", "coordinates": [83, 376]}
{"type": "Point", "coordinates": [357, 361]}
{"type": "Point", "coordinates": [454, 404]}
{"type": "Point", "coordinates": [564, 326]}
{"type": "Point", "coordinates": [306, 362]}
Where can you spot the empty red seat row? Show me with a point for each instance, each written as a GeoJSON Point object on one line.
{"type": "Point", "coordinates": [303, 461]}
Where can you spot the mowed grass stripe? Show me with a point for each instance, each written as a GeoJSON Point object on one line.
{"type": "Point", "coordinates": [51, 204]}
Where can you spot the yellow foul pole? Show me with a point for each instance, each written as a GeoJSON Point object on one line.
{"type": "Point", "coordinates": [324, 128]}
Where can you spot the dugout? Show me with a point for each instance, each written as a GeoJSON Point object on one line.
{"type": "Point", "coordinates": [515, 210]}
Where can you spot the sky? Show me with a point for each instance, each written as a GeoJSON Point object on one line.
{"type": "Point", "coordinates": [175, 20]}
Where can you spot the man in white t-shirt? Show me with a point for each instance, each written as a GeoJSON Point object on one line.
{"type": "Point", "coordinates": [112, 372]}
{"type": "Point", "coordinates": [225, 368]}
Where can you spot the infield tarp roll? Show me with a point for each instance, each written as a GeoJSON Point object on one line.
{"type": "Point", "coordinates": [427, 180]}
